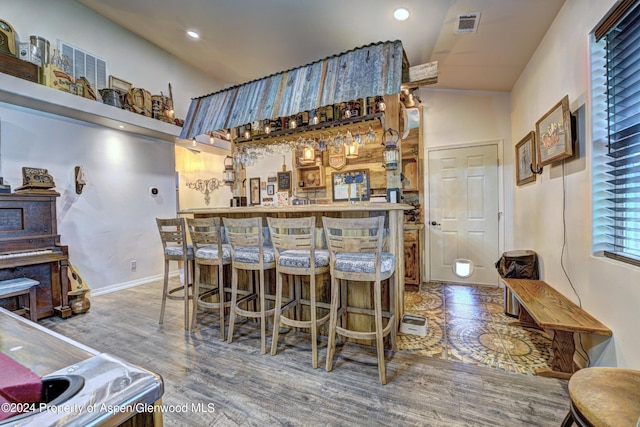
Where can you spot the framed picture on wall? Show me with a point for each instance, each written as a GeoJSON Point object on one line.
{"type": "Point", "coordinates": [553, 134]}
{"type": "Point", "coordinates": [271, 189]}
{"type": "Point", "coordinates": [526, 159]}
{"type": "Point", "coordinates": [254, 191]}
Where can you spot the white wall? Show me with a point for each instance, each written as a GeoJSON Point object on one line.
{"type": "Point", "coordinates": [130, 57]}
{"type": "Point", "coordinates": [458, 118]}
{"type": "Point", "coordinates": [608, 289]}
{"type": "Point", "coordinates": [113, 221]}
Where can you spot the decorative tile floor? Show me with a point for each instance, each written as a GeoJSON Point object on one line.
{"type": "Point", "coordinates": [468, 324]}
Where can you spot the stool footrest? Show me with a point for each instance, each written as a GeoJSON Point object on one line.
{"type": "Point", "coordinates": [303, 323]}
{"type": "Point", "coordinates": [366, 335]}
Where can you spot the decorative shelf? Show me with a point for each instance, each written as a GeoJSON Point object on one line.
{"type": "Point", "coordinates": [23, 93]}
{"type": "Point", "coordinates": [312, 177]}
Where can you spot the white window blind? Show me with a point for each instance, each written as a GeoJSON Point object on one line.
{"type": "Point", "coordinates": [86, 64]}
{"type": "Point", "coordinates": [617, 125]}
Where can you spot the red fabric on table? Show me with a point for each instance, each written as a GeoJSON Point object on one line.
{"type": "Point", "coordinates": [18, 384]}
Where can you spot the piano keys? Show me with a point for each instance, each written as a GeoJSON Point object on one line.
{"type": "Point", "coordinates": [30, 247]}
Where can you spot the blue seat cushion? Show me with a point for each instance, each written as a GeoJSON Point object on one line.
{"type": "Point", "coordinates": [250, 254]}
{"type": "Point", "coordinates": [177, 250]}
{"type": "Point", "coordinates": [363, 262]}
{"type": "Point", "coordinates": [211, 252]}
{"type": "Point", "coordinates": [300, 258]}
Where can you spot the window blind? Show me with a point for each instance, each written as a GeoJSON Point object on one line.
{"type": "Point", "coordinates": [622, 91]}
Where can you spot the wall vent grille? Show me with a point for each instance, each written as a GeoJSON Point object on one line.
{"type": "Point", "coordinates": [86, 64]}
{"type": "Point", "coordinates": [467, 23]}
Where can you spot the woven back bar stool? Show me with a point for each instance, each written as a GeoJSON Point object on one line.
{"type": "Point", "coordinates": [355, 248]}
{"type": "Point", "coordinates": [173, 234]}
{"type": "Point", "coordinates": [294, 242]}
{"type": "Point", "coordinates": [248, 252]}
{"type": "Point", "coordinates": [209, 251]}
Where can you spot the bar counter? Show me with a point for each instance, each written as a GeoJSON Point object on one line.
{"type": "Point", "coordinates": [393, 213]}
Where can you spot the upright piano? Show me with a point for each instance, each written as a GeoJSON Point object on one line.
{"type": "Point", "coordinates": [30, 247]}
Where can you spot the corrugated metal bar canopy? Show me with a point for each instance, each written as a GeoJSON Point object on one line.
{"type": "Point", "coordinates": [371, 70]}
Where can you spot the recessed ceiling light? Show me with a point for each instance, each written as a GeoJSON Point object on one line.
{"type": "Point", "coordinates": [401, 13]}
{"type": "Point", "coordinates": [193, 34]}
{"type": "Point", "coordinates": [121, 126]}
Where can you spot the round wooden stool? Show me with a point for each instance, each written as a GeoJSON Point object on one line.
{"type": "Point", "coordinates": [604, 397]}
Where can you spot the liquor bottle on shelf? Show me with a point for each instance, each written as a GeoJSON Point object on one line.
{"type": "Point", "coordinates": [329, 113]}
{"type": "Point", "coordinates": [56, 60]}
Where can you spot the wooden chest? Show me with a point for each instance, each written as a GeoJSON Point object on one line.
{"type": "Point", "coordinates": [19, 68]}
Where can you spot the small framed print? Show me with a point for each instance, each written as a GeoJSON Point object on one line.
{"type": "Point", "coordinates": [120, 85]}
{"type": "Point", "coordinates": [271, 189]}
{"type": "Point", "coordinates": [526, 159]}
{"type": "Point", "coordinates": [553, 134]}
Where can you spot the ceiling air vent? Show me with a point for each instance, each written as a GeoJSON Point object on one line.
{"type": "Point", "coordinates": [467, 23]}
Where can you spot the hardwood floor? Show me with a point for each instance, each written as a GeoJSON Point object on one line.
{"type": "Point", "coordinates": [247, 388]}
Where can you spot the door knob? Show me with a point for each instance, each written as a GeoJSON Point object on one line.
{"type": "Point", "coordinates": [434, 223]}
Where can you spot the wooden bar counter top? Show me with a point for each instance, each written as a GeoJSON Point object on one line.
{"type": "Point", "coordinates": [394, 213]}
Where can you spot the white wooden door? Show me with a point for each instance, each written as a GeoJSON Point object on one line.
{"type": "Point", "coordinates": [463, 212]}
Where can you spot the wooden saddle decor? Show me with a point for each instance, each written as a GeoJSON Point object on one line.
{"type": "Point", "coordinates": [139, 100]}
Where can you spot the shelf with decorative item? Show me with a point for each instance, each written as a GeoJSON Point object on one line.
{"type": "Point", "coordinates": [23, 93]}
{"type": "Point", "coordinates": [311, 177]}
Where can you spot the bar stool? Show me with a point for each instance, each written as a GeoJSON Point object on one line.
{"type": "Point", "coordinates": [294, 241]}
{"type": "Point", "coordinates": [206, 237]}
{"type": "Point", "coordinates": [603, 396]}
{"type": "Point", "coordinates": [249, 253]}
{"type": "Point", "coordinates": [355, 248]}
{"type": "Point", "coordinates": [175, 248]}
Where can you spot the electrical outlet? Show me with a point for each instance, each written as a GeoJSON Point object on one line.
{"type": "Point", "coordinates": [133, 265]}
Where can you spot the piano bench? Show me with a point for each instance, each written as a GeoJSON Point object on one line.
{"type": "Point", "coordinates": [19, 288]}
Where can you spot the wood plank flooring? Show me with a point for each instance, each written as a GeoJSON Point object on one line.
{"type": "Point", "coordinates": [250, 389]}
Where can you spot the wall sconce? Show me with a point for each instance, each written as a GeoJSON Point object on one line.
{"type": "Point", "coordinates": [229, 174]}
{"type": "Point", "coordinates": [81, 179]}
{"type": "Point", "coordinates": [308, 155]}
{"type": "Point", "coordinates": [205, 187]}
{"type": "Point", "coordinates": [352, 150]}
{"type": "Point", "coordinates": [391, 154]}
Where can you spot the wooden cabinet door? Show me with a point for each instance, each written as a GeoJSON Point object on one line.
{"type": "Point", "coordinates": [412, 257]}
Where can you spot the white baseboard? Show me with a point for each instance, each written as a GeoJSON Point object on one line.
{"type": "Point", "coordinates": [131, 284]}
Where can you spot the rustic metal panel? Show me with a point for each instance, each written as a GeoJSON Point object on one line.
{"type": "Point", "coordinates": [370, 70]}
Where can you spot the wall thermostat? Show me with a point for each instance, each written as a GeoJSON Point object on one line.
{"type": "Point", "coordinates": [153, 191]}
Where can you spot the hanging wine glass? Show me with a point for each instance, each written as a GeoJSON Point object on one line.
{"type": "Point", "coordinates": [322, 142]}
{"type": "Point", "coordinates": [371, 135]}
{"type": "Point", "coordinates": [338, 139]}
{"type": "Point", "coordinates": [358, 137]}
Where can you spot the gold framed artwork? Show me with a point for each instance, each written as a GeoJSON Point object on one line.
{"type": "Point", "coordinates": [526, 159]}
{"type": "Point", "coordinates": [553, 134]}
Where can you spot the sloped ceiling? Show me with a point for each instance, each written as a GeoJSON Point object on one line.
{"type": "Point", "coordinates": [243, 40]}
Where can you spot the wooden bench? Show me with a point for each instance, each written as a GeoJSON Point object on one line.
{"type": "Point", "coordinates": [541, 306]}
{"type": "Point", "coordinates": [20, 287]}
